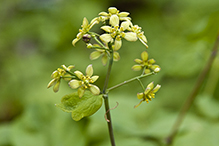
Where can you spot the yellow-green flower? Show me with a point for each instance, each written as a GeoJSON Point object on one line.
{"type": "Point", "coordinates": [85, 29]}
{"type": "Point", "coordinates": [104, 53]}
{"type": "Point", "coordinates": [57, 75]}
{"type": "Point", "coordinates": [146, 64]}
{"type": "Point", "coordinates": [114, 16]}
{"type": "Point", "coordinates": [140, 34]}
{"type": "Point", "coordinates": [85, 82]}
{"type": "Point", "coordinates": [99, 52]}
{"type": "Point", "coordinates": [148, 94]}
{"type": "Point", "coordinates": [115, 33]}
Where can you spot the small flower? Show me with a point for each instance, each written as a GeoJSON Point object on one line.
{"type": "Point", "coordinates": [57, 75]}
{"type": "Point", "coordinates": [115, 33]}
{"type": "Point", "coordinates": [146, 64]}
{"type": "Point", "coordinates": [85, 29]}
{"type": "Point", "coordinates": [104, 53]}
{"type": "Point", "coordinates": [148, 94]}
{"type": "Point", "coordinates": [85, 82]}
{"type": "Point", "coordinates": [114, 16]}
{"type": "Point", "coordinates": [99, 52]}
{"type": "Point", "coordinates": [140, 34]}
{"type": "Point", "coordinates": [67, 68]}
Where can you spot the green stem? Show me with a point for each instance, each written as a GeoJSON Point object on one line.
{"type": "Point", "coordinates": [141, 84]}
{"type": "Point", "coordinates": [193, 94]}
{"type": "Point", "coordinates": [94, 47]}
{"type": "Point", "coordinates": [130, 80]}
{"type": "Point", "coordinates": [71, 73]}
{"type": "Point", "coordinates": [143, 70]}
{"type": "Point", "coordinates": [106, 100]}
{"type": "Point", "coordinates": [95, 38]}
{"type": "Point", "coordinates": [69, 77]}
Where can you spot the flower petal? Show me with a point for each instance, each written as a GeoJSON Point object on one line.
{"type": "Point", "coordinates": [155, 68]}
{"type": "Point", "coordinates": [143, 37]}
{"type": "Point", "coordinates": [118, 44]}
{"type": "Point", "coordinates": [51, 83]}
{"type": "Point", "coordinates": [124, 25]}
{"type": "Point", "coordinates": [56, 86]}
{"type": "Point", "coordinates": [114, 20]}
{"type": "Point", "coordinates": [151, 61]}
{"type": "Point", "coordinates": [80, 34]}
{"type": "Point", "coordinates": [130, 36]}
{"type": "Point", "coordinates": [156, 88]}
{"type": "Point", "coordinates": [112, 10]}
{"type": "Point", "coordinates": [125, 18]}
{"type": "Point", "coordinates": [151, 85]}
{"type": "Point", "coordinates": [146, 71]}
{"type": "Point", "coordinates": [104, 59]}
{"type": "Point", "coordinates": [123, 14]}
{"type": "Point", "coordinates": [103, 14]}
{"type": "Point", "coordinates": [136, 67]}
{"type": "Point", "coordinates": [149, 88]}
{"type": "Point", "coordinates": [140, 95]}
{"type": "Point", "coordinates": [139, 61]}
{"type": "Point", "coordinates": [106, 28]}
{"type": "Point", "coordinates": [75, 41]}
{"type": "Point", "coordinates": [116, 56]}
{"type": "Point", "coordinates": [70, 67]}
{"type": "Point", "coordinates": [93, 22]}
{"type": "Point", "coordinates": [89, 70]}
{"type": "Point", "coordinates": [94, 89]}
{"type": "Point", "coordinates": [144, 56]}
{"type": "Point", "coordinates": [85, 23]}
{"type": "Point", "coordinates": [55, 74]}
{"type": "Point", "coordinates": [106, 38]}
{"type": "Point", "coordinates": [81, 91]}
{"type": "Point", "coordinates": [74, 84]}
{"type": "Point", "coordinates": [94, 78]}
{"type": "Point", "coordinates": [67, 77]}
{"type": "Point", "coordinates": [79, 74]}
{"type": "Point", "coordinates": [94, 55]}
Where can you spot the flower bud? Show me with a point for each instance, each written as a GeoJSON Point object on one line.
{"type": "Point", "coordinates": [86, 38]}
{"type": "Point", "coordinates": [155, 68]}
{"type": "Point", "coordinates": [89, 46]}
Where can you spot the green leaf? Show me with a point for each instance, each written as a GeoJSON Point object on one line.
{"type": "Point", "coordinates": [85, 106]}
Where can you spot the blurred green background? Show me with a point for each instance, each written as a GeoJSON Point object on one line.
{"type": "Point", "coordinates": [35, 39]}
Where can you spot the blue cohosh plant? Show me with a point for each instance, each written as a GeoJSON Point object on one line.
{"type": "Point", "coordinates": [117, 26]}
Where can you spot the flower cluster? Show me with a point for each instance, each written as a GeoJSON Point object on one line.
{"type": "Point", "coordinates": [85, 82]}
{"type": "Point", "coordinates": [57, 75]}
{"type": "Point", "coordinates": [146, 64]}
{"type": "Point", "coordinates": [119, 27]}
{"type": "Point", "coordinates": [148, 94]}
{"type": "Point", "coordinates": [116, 27]}
{"type": "Point", "coordinates": [75, 80]}
{"type": "Point", "coordinates": [113, 15]}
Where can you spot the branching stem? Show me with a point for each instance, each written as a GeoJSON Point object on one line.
{"type": "Point", "coordinates": [106, 100]}
{"type": "Point", "coordinates": [130, 80]}
{"type": "Point", "coordinates": [142, 86]}
{"type": "Point", "coordinates": [95, 38]}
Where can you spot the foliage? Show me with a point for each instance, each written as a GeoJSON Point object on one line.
{"type": "Point", "coordinates": [80, 107]}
